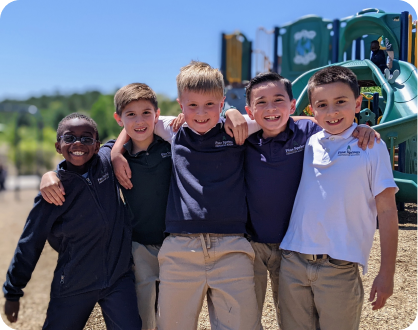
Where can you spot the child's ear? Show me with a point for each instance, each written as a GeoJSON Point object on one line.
{"type": "Point", "coordinates": [359, 100]}
{"type": "Point", "coordinates": [181, 106]}
{"type": "Point", "coordinates": [157, 115]}
{"type": "Point", "coordinates": [58, 147]}
{"type": "Point", "coordinates": [222, 104]}
{"type": "Point", "coordinates": [292, 106]}
{"type": "Point", "coordinates": [118, 120]}
{"type": "Point", "coordinates": [249, 112]}
{"type": "Point", "coordinates": [97, 147]}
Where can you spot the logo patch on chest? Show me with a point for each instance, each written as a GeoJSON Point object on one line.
{"type": "Point", "coordinates": [295, 149]}
{"type": "Point", "coordinates": [166, 154]}
{"type": "Point", "coordinates": [223, 143]}
{"type": "Point", "coordinates": [348, 152]}
{"type": "Point", "coordinates": [103, 178]}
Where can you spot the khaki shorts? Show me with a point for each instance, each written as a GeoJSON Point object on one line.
{"type": "Point", "coordinates": [219, 267]}
{"type": "Point", "coordinates": [267, 258]}
{"type": "Point", "coordinates": [147, 277]}
{"type": "Point", "coordinates": [325, 292]}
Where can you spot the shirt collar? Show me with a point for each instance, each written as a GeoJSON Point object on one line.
{"type": "Point", "coordinates": [219, 121]}
{"type": "Point", "coordinates": [282, 136]}
{"type": "Point", "coordinates": [344, 135]}
{"type": "Point", "coordinates": [129, 146]}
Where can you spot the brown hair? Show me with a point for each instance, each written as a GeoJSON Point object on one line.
{"type": "Point", "coordinates": [332, 74]}
{"type": "Point", "coordinates": [200, 77]}
{"type": "Point", "coordinates": [267, 77]}
{"type": "Point", "coordinates": [134, 92]}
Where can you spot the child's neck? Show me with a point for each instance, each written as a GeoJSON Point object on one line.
{"type": "Point", "coordinates": [272, 134]}
{"type": "Point", "coordinates": [78, 169]}
{"type": "Point", "coordinates": [138, 146]}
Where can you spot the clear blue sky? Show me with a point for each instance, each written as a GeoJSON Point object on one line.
{"type": "Point", "coordinates": [78, 45]}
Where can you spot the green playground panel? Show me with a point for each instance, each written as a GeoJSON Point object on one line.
{"type": "Point", "coordinates": [373, 23]}
{"type": "Point", "coordinates": [307, 45]}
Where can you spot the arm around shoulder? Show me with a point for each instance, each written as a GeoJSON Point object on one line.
{"type": "Point", "coordinates": [52, 189]}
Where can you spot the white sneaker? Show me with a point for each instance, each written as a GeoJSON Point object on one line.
{"type": "Point", "coordinates": [394, 76]}
{"type": "Point", "coordinates": [387, 74]}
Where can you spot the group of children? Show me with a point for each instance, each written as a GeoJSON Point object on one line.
{"type": "Point", "coordinates": [209, 215]}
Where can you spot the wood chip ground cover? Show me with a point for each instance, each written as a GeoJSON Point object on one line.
{"type": "Point", "coordinates": [399, 313]}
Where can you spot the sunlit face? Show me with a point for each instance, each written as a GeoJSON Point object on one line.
{"type": "Point", "coordinates": [139, 118]}
{"type": "Point", "coordinates": [271, 107]}
{"type": "Point", "coordinates": [77, 154]}
{"type": "Point", "coordinates": [335, 106]}
{"type": "Point", "coordinates": [201, 110]}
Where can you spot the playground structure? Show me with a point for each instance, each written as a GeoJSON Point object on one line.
{"type": "Point", "coordinates": [303, 47]}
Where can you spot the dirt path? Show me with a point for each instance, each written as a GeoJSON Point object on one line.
{"type": "Point", "coordinates": [399, 313]}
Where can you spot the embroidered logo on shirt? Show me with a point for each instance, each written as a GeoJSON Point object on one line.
{"type": "Point", "coordinates": [103, 178]}
{"type": "Point", "coordinates": [263, 158]}
{"type": "Point", "coordinates": [295, 149]}
{"type": "Point", "coordinates": [348, 152]}
{"type": "Point", "coordinates": [166, 154]}
{"type": "Point", "coordinates": [223, 143]}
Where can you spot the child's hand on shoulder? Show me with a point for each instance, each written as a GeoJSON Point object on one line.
{"type": "Point", "coordinates": [236, 126]}
{"type": "Point", "coordinates": [52, 189]}
{"type": "Point", "coordinates": [366, 136]}
{"type": "Point", "coordinates": [177, 122]}
{"type": "Point", "coordinates": [11, 309]}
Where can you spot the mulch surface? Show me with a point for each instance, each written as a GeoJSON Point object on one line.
{"type": "Point", "coordinates": [400, 310]}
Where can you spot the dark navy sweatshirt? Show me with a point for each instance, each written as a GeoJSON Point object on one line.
{"type": "Point", "coordinates": [207, 191]}
{"type": "Point", "coordinates": [91, 232]}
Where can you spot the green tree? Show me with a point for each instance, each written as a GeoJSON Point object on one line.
{"type": "Point", "coordinates": [168, 106]}
{"type": "Point", "coordinates": [102, 113]}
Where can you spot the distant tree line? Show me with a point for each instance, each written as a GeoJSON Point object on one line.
{"type": "Point", "coordinates": [52, 109]}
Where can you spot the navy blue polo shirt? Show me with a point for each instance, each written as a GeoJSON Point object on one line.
{"type": "Point", "coordinates": [207, 191]}
{"type": "Point", "coordinates": [273, 168]}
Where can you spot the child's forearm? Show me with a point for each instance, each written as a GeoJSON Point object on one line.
{"type": "Point", "coordinates": [163, 128]}
{"type": "Point", "coordinates": [296, 118]}
{"type": "Point", "coordinates": [388, 229]}
{"type": "Point", "coordinates": [118, 147]}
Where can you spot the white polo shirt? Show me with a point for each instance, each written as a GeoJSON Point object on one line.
{"type": "Point", "coordinates": [335, 210]}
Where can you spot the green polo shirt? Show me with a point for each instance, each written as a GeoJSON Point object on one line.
{"type": "Point", "coordinates": [151, 174]}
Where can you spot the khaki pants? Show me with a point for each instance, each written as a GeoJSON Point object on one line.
{"type": "Point", "coordinates": [267, 258]}
{"type": "Point", "coordinates": [146, 280]}
{"type": "Point", "coordinates": [217, 266]}
{"type": "Point", "coordinates": [328, 292]}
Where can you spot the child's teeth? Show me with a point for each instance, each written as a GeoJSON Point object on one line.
{"type": "Point", "coordinates": [78, 153]}
{"type": "Point", "coordinates": [333, 121]}
{"type": "Point", "coordinates": [140, 129]}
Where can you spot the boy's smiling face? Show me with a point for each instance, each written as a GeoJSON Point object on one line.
{"type": "Point", "coordinates": [139, 118]}
{"type": "Point", "coordinates": [201, 110]}
{"type": "Point", "coordinates": [271, 107]}
{"type": "Point", "coordinates": [77, 154]}
{"type": "Point", "coordinates": [335, 106]}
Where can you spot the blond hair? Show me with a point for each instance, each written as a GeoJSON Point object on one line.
{"type": "Point", "coordinates": [200, 77]}
{"type": "Point", "coordinates": [134, 92]}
